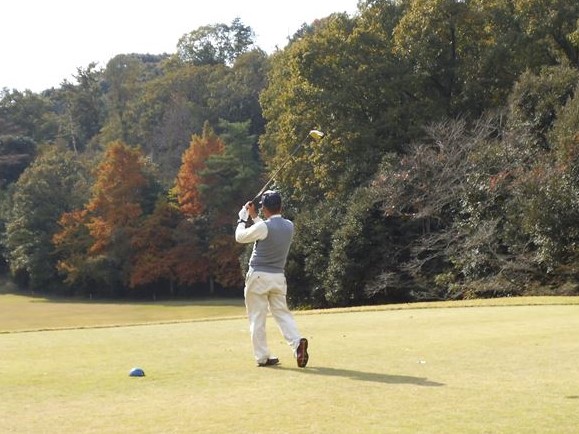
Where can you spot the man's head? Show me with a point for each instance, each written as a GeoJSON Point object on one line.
{"type": "Point", "coordinates": [271, 201]}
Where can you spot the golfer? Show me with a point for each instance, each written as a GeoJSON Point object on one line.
{"type": "Point", "coordinates": [265, 282]}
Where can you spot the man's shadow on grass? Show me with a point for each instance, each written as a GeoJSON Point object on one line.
{"type": "Point", "coordinates": [366, 376]}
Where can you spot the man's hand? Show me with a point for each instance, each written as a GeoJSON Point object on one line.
{"type": "Point", "coordinates": [250, 207]}
{"type": "Point", "coordinates": [243, 213]}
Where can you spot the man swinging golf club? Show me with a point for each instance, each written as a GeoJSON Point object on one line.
{"type": "Point", "coordinates": [265, 282]}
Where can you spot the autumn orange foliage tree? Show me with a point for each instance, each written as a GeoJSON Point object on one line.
{"type": "Point", "coordinates": [115, 205]}
{"type": "Point", "coordinates": [107, 222]}
{"type": "Point", "coordinates": [187, 190]}
{"type": "Point", "coordinates": [194, 161]}
{"type": "Point", "coordinates": [123, 239]}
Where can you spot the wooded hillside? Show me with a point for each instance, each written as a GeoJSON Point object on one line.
{"type": "Point", "coordinates": [449, 167]}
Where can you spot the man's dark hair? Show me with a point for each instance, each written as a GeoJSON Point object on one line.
{"type": "Point", "coordinates": [272, 201]}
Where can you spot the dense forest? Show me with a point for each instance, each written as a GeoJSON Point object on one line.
{"type": "Point", "coordinates": [449, 169]}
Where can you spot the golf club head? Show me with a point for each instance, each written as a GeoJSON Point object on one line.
{"type": "Point", "coordinates": [316, 135]}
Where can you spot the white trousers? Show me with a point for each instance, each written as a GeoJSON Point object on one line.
{"type": "Point", "coordinates": [265, 291]}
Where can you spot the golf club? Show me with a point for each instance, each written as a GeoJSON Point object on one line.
{"type": "Point", "coordinates": [313, 134]}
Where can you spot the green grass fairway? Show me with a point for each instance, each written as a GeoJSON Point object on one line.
{"type": "Point", "coordinates": [20, 313]}
{"type": "Point", "coordinates": [507, 368]}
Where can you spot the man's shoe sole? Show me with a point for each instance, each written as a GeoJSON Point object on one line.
{"type": "Point", "coordinates": [302, 353]}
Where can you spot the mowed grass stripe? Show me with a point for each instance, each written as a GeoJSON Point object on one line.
{"type": "Point", "coordinates": [19, 313]}
{"type": "Point", "coordinates": [509, 369]}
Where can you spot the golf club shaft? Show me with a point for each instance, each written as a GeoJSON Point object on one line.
{"type": "Point", "coordinates": [276, 172]}
{"type": "Point", "coordinates": [313, 134]}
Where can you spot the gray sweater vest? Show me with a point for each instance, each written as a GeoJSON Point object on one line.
{"type": "Point", "coordinates": [270, 254]}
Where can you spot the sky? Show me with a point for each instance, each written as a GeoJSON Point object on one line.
{"type": "Point", "coordinates": [43, 42]}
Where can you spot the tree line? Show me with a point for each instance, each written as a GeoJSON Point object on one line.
{"type": "Point", "coordinates": [448, 169]}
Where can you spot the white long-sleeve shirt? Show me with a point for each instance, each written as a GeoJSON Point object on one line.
{"type": "Point", "coordinates": [257, 231]}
